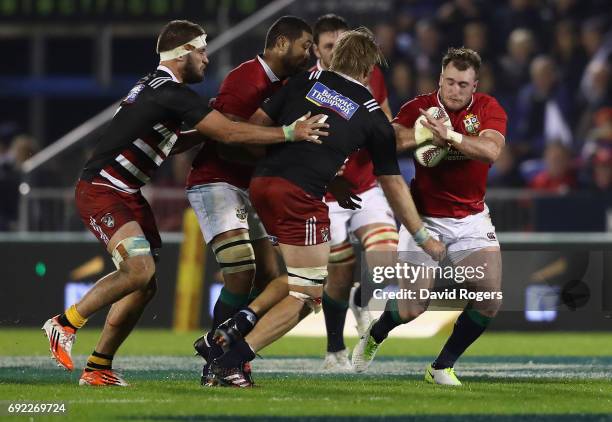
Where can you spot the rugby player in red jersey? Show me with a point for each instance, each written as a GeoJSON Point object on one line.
{"type": "Point", "coordinates": [373, 224]}
{"type": "Point", "coordinates": [217, 186]}
{"type": "Point", "coordinates": [288, 186]}
{"type": "Point", "coordinates": [140, 136]}
{"type": "Point", "coordinates": [450, 199]}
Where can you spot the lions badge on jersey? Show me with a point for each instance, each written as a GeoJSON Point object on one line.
{"type": "Point", "coordinates": [322, 96]}
{"type": "Point", "coordinates": [471, 124]}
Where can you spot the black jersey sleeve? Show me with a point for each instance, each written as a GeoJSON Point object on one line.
{"type": "Point", "coordinates": [187, 104]}
{"type": "Point", "coordinates": [381, 145]}
{"type": "Point", "coordinates": [273, 106]}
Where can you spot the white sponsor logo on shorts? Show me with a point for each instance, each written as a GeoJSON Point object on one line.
{"type": "Point", "coordinates": [98, 229]}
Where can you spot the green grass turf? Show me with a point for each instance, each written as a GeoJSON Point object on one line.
{"type": "Point", "coordinates": [15, 342]}
{"type": "Point", "coordinates": [163, 394]}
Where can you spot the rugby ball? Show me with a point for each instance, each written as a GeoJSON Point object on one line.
{"type": "Point", "coordinates": [427, 154]}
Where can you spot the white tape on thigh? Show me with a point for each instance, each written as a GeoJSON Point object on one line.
{"type": "Point", "coordinates": [130, 246]}
{"type": "Point", "coordinates": [306, 277]}
{"type": "Point", "coordinates": [313, 302]}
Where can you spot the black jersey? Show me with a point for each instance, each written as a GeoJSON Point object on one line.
{"type": "Point", "coordinates": [142, 132]}
{"type": "Point", "coordinates": [355, 119]}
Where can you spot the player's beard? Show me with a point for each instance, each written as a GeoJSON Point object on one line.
{"type": "Point", "coordinates": [295, 64]}
{"type": "Point", "coordinates": [193, 72]}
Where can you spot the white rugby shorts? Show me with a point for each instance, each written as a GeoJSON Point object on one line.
{"type": "Point", "coordinates": [221, 207]}
{"type": "Point", "coordinates": [374, 209]}
{"type": "Point", "coordinates": [462, 236]}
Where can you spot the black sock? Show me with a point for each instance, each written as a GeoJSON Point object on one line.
{"type": "Point", "coordinates": [469, 326]}
{"type": "Point", "coordinates": [245, 320]}
{"type": "Point", "coordinates": [334, 312]}
{"type": "Point", "coordinates": [357, 297]}
{"type": "Point", "coordinates": [214, 350]}
{"type": "Point", "coordinates": [227, 305]}
{"type": "Point", "coordinates": [387, 322]}
{"type": "Point", "coordinates": [64, 321]}
{"type": "Point", "coordinates": [99, 361]}
{"type": "Point", "coordinates": [240, 353]}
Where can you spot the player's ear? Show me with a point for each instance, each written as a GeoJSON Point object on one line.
{"type": "Point", "coordinates": [283, 43]}
{"type": "Point", "coordinates": [440, 81]}
{"type": "Point", "coordinates": [475, 86]}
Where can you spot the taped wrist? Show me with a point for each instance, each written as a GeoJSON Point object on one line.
{"type": "Point", "coordinates": [289, 131]}
{"type": "Point", "coordinates": [453, 136]}
{"type": "Point", "coordinates": [421, 236]}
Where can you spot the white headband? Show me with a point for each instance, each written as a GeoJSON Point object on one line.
{"type": "Point", "coordinates": [181, 50]}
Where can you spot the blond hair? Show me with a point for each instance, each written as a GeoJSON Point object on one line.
{"type": "Point", "coordinates": [355, 53]}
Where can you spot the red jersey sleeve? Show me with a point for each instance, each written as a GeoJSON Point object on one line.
{"type": "Point", "coordinates": [494, 117]}
{"type": "Point", "coordinates": [378, 86]}
{"type": "Point", "coordinates": [237, 96]}
{"type": "Point", "coordinates": [409, 112]}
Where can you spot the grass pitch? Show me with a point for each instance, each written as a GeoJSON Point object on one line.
{"type": "Point", "coordinates": [544, 377]}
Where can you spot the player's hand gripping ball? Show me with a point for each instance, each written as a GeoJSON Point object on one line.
{"type": "Point", "coordinates": [427, 153]}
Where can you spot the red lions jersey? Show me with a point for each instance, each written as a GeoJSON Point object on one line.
{"type": "Point", "coordinates": [455, 187]}
{"type": "Point", "coordinates": [241, 93]}
{"type": "Point", "coordinates": [359, 169]}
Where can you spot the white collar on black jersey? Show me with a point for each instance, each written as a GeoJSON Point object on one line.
{"type": "Point", "coordinates": [319, 67]}
{"type": "Point", "coordinates": [165, 69]}
{"type": "Point", "coordinates": [350, 79]}
{"type": "Point", "coordinates": [266, 68]}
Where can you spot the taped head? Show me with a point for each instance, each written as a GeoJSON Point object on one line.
{"type": "Point", "coordinates": [183, 49]}
{"type": "Point", "coordinates": [178, 38]}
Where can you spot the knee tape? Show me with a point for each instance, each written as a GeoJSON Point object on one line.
{"type": "Point", "coordinates": [307, 277]}
{"type": "Point", "coordinates": [383, 235]}
{"type": "Point", "coordinates": [313, 302]}
{"type": "Point", "coordinates": [342, 254]}
{"type": "Point", "coordinates": [130, 246]}
{"type": "Point", "coordinates": [235, 254]}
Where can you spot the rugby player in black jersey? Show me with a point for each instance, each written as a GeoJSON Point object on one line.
{"type": "Point", "coordinates": [140, 136]}
{"type": "Point", "coordinates": [289, 184]}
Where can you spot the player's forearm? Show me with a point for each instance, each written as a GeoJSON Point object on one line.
{"type": "Point", "coordinates": [479, 148]}
{"type": "Point", "coordinates": [186, 141]}
{"type": "Point", "coordinates": [245, 133]}
{"type": "Point", "coordinates": [401, 202]}
{"type": "Point", "coordinates": [404, 137]}
{"type": "Point", "coordinates": [220, 128]}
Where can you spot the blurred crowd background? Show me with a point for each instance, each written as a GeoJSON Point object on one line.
{"type": "Point", "coordinates": [548, 62]}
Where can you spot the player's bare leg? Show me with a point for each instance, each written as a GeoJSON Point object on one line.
{"type": "Point", "coordinates": [133, 274]}
{"type": "Point", "coordinates": [235, 256]}
{"type": "Point", "coordinates": [120, 321]}
{"type": "Point", "coordinates": [396, 313]}
{"type": "Point", "coordinates": [475, 318]}
{"type": "Point", "coordinates": [123, 317]}
{"type": "Point", "coordinates": [268, 278]}
{"type": "Point", "coordinates": [379, 241]}
{"type": "Point", "coordinates": [306, 267]}
{"type": "Point", "coordinates": [285, 315]}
